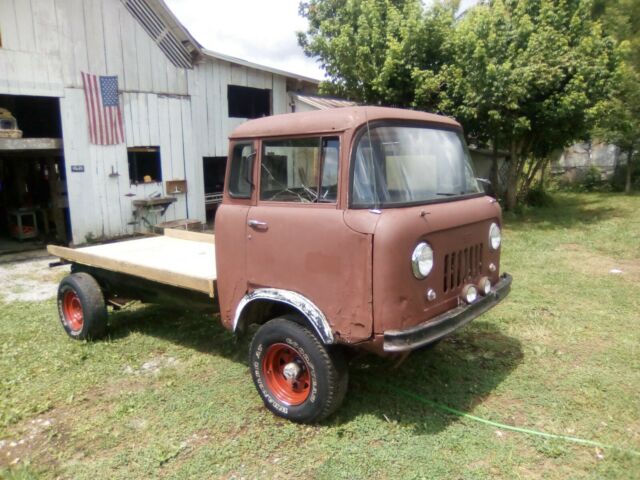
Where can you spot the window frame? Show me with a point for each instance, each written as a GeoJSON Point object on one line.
{"type": "Point", "coordinates": [230, 163]}
{"type": "Point", "coordinates": [269, 99]}
{"type": "Point", "coordinates": [143, 149]}
{"type": "Point", "coordinates": [363, 129]}
{"type": "Point", "coordinates": [320, 137]}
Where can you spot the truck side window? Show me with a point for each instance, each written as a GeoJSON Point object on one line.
{"type": "Point", "coordinates": [303, 170]}
{"type": "Point", "coordinates": [241, 170]}
{"type": "Point", "coordinates": [329, 182]}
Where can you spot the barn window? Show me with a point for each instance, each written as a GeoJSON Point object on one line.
{"type": "Point", "coordinates": [144, 164]}
{"type": "Point", "coordinates": [246, 102]}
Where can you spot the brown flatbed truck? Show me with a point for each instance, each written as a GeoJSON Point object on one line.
{"type": "Point", "coordinates": [360, 227]}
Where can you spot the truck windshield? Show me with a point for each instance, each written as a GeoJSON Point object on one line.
{"type": "Point", "coordinates": [397, 165]}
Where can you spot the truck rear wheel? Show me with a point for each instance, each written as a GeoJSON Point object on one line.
{"type": "Point", "coordinates": [297, 377]}
{"type": "Point", "coordinates": [81, 307]}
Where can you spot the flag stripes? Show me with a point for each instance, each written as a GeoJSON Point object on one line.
{"type": "Point", "coordinates": [103, 109]}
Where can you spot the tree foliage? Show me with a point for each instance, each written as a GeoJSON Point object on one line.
{"type": "Point", "coordinates": [526, 74]}
{"type": "Point", "coordinates": [521, 75]}
{"type": "Point", "coordinates": [370, 48]}
{"type": "Point", "coordinates": [617, 118]}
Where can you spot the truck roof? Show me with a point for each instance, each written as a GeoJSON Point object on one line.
{"type": "Point", "coordinates": [332, 120]}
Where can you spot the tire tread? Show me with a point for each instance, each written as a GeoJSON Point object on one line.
{"type": "Point", "coordinates": [93, 304]}
{"type": "Point", "coordinates": [333, 362]}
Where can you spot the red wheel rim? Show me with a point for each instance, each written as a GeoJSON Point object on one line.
{"type": "Point", "coordinates": [72, 309]}
{"type": "Point", "coordinates": [286, 374]}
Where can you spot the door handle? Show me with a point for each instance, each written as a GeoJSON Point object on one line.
{"type": "Point", "coordinates": [257, 224]}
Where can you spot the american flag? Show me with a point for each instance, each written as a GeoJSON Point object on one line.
{"type": "Point", "coordinates": [103, 109]}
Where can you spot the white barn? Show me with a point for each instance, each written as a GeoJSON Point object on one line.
{"type": "Point", "coordinates": [179, 103]}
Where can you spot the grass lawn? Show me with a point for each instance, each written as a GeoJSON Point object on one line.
{"type": "Point", "coordinates": [169, 395]}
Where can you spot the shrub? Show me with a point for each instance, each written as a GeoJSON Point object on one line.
{"type": "Point", "coordinates": [592, 180]}
{"type": "Point", "coordinates": [620, 174]}
{"type": "Point", "coordinates": [538, 197]}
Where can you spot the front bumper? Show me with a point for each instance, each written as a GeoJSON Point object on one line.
{"type": "Point", "coordinates": [444, 324]}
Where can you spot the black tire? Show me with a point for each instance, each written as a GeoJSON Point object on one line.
{"type": "Point", "coordinates": [326, 371]}
{"type": "Point", "coordinates": [81, 307]}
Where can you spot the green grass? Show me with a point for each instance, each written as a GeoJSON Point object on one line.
{"type": "Point", "coordinates": [169, 395]}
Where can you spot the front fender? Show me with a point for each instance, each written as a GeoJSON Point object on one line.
{"type": "Point", "coordinates": [305, 306]}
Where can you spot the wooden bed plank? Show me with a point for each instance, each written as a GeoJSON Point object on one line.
{"type": "Point", "coordinates": [189, 235]}
{"type": "Point", "coordinates": [169, 260]}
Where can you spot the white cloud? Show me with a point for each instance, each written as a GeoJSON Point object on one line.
{"type": "Point", "coordinates": [260, 31]}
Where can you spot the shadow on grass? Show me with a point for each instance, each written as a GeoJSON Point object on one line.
{"type": "Point", "coordinates": [459, 372]}
{"type": "Point", "coordinates": [199, 330]}
{"type": "Point", "coordinates": [566, 211]}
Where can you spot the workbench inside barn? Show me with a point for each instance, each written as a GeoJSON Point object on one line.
{"type": "Point", "coordinates": [31, 200]}
{"type": "Point", "coordinates": [178, 258]}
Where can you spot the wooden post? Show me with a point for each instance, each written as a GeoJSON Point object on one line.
{"type": "Point", "coordinates": [56, 200]}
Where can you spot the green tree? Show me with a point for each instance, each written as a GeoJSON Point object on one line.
{"type": "Point", "coordinates": [371, 48]}
{"type": "Point", "coordinates": [524, 75]}
{"type": "Point", "coordinates": [617, 119]}
{"type": "Point", "coordinates": [520, 75]}
{"type": "Point", "coordinates": [621, 19]}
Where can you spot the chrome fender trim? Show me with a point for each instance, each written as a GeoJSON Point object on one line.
{"type": "Point", "coordinates": [297, 301]}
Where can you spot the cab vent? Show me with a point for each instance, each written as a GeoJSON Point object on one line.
{"type": "Point", "coordinates": [461, 266]}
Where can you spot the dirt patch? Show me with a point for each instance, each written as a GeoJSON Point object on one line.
{"type": "Point", "coordinates": [36, 439]}
{"type": "Point", "coordinates": [30, 281]}
{"type": "Point", "coordinates": [152, 367]}
{"type": "Point", "coordinates": [590, 262]}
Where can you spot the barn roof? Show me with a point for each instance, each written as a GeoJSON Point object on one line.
{"type": "Point", "coordinates": [179, 45]}
{"type": "Point", "coordinates": [165, 29]}
{"type": "Point", "coordinates": [257, 66]}
{"type": "Point", "coordinates": [322, 103]}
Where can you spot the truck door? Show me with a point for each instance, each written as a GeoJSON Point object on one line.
{"type": "Point", "coordinates": [297, 239]}
{"type": "Point", "coordinates": [231, 221]}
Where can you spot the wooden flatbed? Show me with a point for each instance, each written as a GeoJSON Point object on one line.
{"type": "Point", "coordinates": [179, 258]}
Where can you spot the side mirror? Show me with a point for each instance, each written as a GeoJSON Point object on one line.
{"type": "Point", "coordinates": [486, 185]}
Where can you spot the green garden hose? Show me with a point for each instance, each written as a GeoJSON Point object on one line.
{"type": "Point", "coordinates": [445, 408]}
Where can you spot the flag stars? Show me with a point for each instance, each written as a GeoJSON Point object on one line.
{"type": "Point", "coordinates": [109, 90]}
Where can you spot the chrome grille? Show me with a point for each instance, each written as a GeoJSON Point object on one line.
{"type": "Point", "coordinates": [461, 266]}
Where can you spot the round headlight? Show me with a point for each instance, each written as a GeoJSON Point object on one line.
{"type": "Point", "coordinates": [470, 294]}
{"type": "Point", "coordinates": [495, 237]}
{"type": "Point", "coordinates": [422, 260]}
{"type": "Point", "coordinates": [485, 285]}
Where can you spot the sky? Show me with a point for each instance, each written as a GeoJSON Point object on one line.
{"type": "Point", "coordinates": [261, 31]}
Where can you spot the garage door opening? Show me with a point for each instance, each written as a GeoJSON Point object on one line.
{"type": "Point", "coordinates": [213, 169]}
{"type": "Point", "coordinates": [33, 193]}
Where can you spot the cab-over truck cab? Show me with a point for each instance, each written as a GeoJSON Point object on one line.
{"type": "Point", "coordinates": [361, 227]}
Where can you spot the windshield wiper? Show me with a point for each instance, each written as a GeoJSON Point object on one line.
{"type": "Point", "coordinates": [453, 194]}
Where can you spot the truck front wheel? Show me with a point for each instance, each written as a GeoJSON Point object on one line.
{"type": "Point", "coordinates": [297, 377]}
{"type": "Point", "coordinates": [81, 307]}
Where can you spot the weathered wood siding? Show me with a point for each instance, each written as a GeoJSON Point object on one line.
{"type": "Point", "coordinates": [100, 202]}
{"type": "Point", "coordinates": [30, 62]}
{"type": "Point", "coordinates": [46, 44]}
{"type": "Point", "coordinates": [211, 108]}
